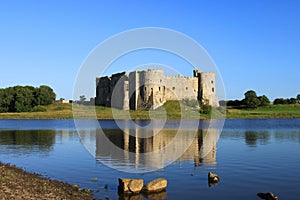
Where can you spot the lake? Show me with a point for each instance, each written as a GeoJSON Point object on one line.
{"type": "Point", "coordinates": [250, 155]}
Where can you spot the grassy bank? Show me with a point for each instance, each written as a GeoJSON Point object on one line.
{"type": "Point", "coordinates": [15, 183]}
{"type": "Point", "coordinates": [171, 110]}
{"type": "Point", "coordinates": [271, 111]}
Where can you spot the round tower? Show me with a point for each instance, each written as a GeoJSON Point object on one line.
{"type": "Point", "coordinates": [152, 85]}
{"type": "Point", "coordinates": [208, 92]}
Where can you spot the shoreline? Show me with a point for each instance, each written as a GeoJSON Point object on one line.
{"type": "Point", "coordinates": [65, 111]}
{"type": "Point", "coordinates": [16, 183]}
{"type": "Point", "coordinates": [145, 119]}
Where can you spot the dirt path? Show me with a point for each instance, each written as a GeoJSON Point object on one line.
{"type": "Point", "coordinates": [17, 184]}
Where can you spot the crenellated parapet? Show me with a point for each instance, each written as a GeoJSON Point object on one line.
{"type": "Point", "coordinates": [150, 89]}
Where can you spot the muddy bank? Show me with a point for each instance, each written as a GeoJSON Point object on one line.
{"type": "Point", "coordinates": [15, 183]}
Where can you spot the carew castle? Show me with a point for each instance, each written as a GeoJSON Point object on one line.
{"type": "Point", "coordinates": [150, 89]}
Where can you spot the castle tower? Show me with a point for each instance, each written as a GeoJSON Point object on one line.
{"type": "Point", "coordinates": [207, 88]}
{"type": "Point", "coordinates": [150, 89]}
{"type": "Point", "coordinates": [153, 88]}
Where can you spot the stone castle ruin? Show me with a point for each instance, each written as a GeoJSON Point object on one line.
{"type": "Point", "coordinates": [150, 89]}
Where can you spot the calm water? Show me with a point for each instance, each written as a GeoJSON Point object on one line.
{"type": "Point", "coordinates": [250, 156]}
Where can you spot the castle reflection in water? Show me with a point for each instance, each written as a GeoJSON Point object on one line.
{"type": "Point", "coordinates": [142, 148]}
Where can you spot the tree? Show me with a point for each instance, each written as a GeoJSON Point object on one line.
{"type": "Point", "coordinates": [23, 99]}
{"type": "Point", "coordinates": [235, 103]}
{"type": "Point", "coordinates": [293, 100]}
{"type": "Point", "coordinates": [205, 109]}
{"type": "Point", "coordinates": [278, 101]}
{"type": "Point", "coordinates": [6, 99]}
{"type": "Point", "coordinates": [264, 101]}
{"type": "Point", "coordinates": [45, 95]}
{"type": "Point", "coordinates": [298, 98]}
{"type": "Point", "coordinates": [82, 98]}
{"type": "Point", "coordinates": [251, 100]}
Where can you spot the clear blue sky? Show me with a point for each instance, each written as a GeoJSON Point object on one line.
{"type": "Point", "coordinates": [254, 43]}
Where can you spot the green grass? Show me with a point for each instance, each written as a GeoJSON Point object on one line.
{"type": "Point", "coordinates": [170, 110]}
{"type": "Point", "coordinates": [271, 111]}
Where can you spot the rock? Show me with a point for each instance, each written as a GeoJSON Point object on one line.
{"type": "Point", "coordinates": [127, 185]}
{"type": "Point", "coordinates": [267, 196]}
{"type": "Point", "coordinates": [156, 195]}
{"type": "Point", "coordinates": [126, 196]}
{"type": "Point", "coordinates": [213, 179]}
{"type": "Point", "coordinates": [156, 185]}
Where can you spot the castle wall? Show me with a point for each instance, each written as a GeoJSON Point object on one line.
{"type": "Point", "coordinates": [103, 91]}
{"type": "Point", "coordinates": [151, 89]}
{"type": "Point", "coordinates": [178, 88]}
{"type": "Point", "coordinates": [133, 90]}
{"type": "Point", "coordinates": [120, 90]}
{"type": "Point", "coordinates": [111, 91]}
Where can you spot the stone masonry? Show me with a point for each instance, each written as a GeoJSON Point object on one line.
{"type": "Point", "coordinates": [150, 89]}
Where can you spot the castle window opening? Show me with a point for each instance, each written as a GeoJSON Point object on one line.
{"type": "Point", "coordinates": [138, 87]}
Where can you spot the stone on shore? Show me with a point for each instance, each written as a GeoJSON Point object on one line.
{"type": "Point", "coordinates": [17, 184]}
{"type": "Point", "coordinates": [213, 179]}
{"type": "Point", "coordinates": [267, 196]}
{"type": "Point", "coordinates": [156, 195]}
{"type": "Point", "coordinates": [127, 185]}
{"type": "Point", "coordinates": [130, 196]}
{"type": "Point", "coordinates": [156, 185]}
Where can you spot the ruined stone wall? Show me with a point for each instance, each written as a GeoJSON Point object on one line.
{"type": "Point", "coordinates": [120, 91]}
{"type": "Point", "coordinates": [111, 91]}
{"type": "Point", "coordinates": [103, 91]}
{"type": "Point", "coordinates": [151, 89]}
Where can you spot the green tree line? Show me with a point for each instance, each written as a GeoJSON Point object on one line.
{"type": "Point", "coordinates": [251, 100]}
{"type": "Point", "coordinates": [25, 98]}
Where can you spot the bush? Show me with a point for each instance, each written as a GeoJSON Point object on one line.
{"type": "Point", "coordinates": [39, 109]}
{"type": "Point", "coordinates": [235, 103]}
{"type": "Point", "coordinates": [222, 109]}
{"type": "Point", "coordinates": [285, 101]}
{"type": "Point", "coordinates": [205, 109]}
{"type": "Point", "coordinates": [264, 101]}
{"type": "Point", "coordinates": [293, 100]}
